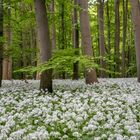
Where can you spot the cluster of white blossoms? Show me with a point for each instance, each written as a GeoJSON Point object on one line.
{"type": "Point", "coordinates": [107, 110]}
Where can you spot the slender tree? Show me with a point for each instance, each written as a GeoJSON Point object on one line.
{"type": "Point", "coordinates": [117, 35]}
{"type": "Point", "coordinates": [108, 32]}
{"type": "Point", "coordinates": [21, 61]}
{"type": "Point", "coordinates": [53, 28]}
{"type": "Point", "coordinates": [125, 11]}
{"type": "Point", "coordinates": [44, 41]}
{"type": "Point", "coordinates": [90, 75]}
{"type": "Point", "coordinates": [63, 31]}
{"type": "Point", "coordinates": [101, 35]}
{"type": "Point", "coordinates": [75, 39]}
{"type": "Point", "coordinates": [135, 10]}
{"type": "Point", "coordinates": [1, 42]}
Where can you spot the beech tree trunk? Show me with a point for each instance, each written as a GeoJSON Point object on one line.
{"type": "Point", "coordinates": [38, 56]}
{"type": "Point", "coordinates": [90, 75]}
{"type": "Point", "coordinates": [75, 40]}
{"type": "Point", "coordinates": [7, 61]}
{"type": "Point", "coordinates": [63, 32]}
{"type": "Point", "coordinates": [1, 42]}
{"type": "Point", "coordinates": [117, 36]}
{"type": "Point", "coordinates": [7, 69]}
{"type": "Point", "coordinates": [44, 42]}
{"type": "Point", "coordinates": [53, 30]}
{"type": "Point", "coordinates": [135, 11]}
{"type": "Point", "coordinates": [101, 36]}
{"type": "Point", "coordinates": [125, 11]}
{"type": "Point", "coordinates": [108, 33]}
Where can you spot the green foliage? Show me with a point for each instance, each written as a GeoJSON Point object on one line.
{"type": "Point", "coordinates": [132, 69]}
{"type": "Point", "coordinates": [63, 60]}
{"type": "Point", "coordinates": [23, 40]}
{"type": "Point", "coordinates": [1, 40]}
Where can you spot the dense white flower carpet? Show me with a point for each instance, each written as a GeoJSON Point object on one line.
{"type": "Point", "coordinates": [108, 110]}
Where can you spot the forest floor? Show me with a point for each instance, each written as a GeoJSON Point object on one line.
{"type": "Point", "coordinates": [108, 110]}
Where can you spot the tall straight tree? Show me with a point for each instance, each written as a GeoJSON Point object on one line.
{"type": "Point", "coordinates": [125, 11]}
{"type": "Point", "coordinates": [108, 31]}
{"type": "Point", "coordinates": [63, 31]}
{"type": "Point", "coordinates": [7, 61]}
{"type": "Point", "coordinates": [1, 40]}
{"type": "Point", "coordinates": [135, 10]}
{"type": "Point", "coordinates": [75, 40]}
{"type": "Point", "coordinates": [53, 28]}
{"type": "Point", "coordinates": [101, 35]}
{"type": "Point", "coordinates": [44, 42]}
{"type": "Point", "coordinates": [90, 75]}
{"type": "Point", "coordinates": [117, 35]}
{"type": "Point", "coordinates": [62, 25]}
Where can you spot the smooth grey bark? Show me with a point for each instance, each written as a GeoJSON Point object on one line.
{"type": "Point", "coordinates": [100, 7]}
{"type": "Point", "coordinates": [75, 40]}
{"type": "Point", "coordinates": [135, 11]}
{"type": "Point", "coordinates": [44, 42]}
{"type": "Point", "coordinates": [90, 75]}
{"type": "Point", "coordinates": [1, 42]}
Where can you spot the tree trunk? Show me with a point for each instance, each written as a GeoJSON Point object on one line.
{"type": "Point", "coordinates": [101, 36]}
{"type": "Point", "coordinates": [75, 40]}
{"type": "Point", "coordinates": [125, 11]}
{"type": "Point", "coordinates": [7, 61]}
{"type": "Point", "coordinates": [1, 41]}
{"type": "Point", "coordinates": [7, 69]}
{"type": "Point", "coordinates": [90, 75]}
{"type": "Point", "coordinates": [63, 32]}
{"type": "Point", "coordinates": [117, 36]}
{"type": "Point", "coordinates": [21, 63]}
{"type": "Point", "coordinates": [38, 55]}
{"type": "Point", "coordinates": [45, 43]}
{"type": "Point", "coordinates": [108, 32]}
{"type": "Point", "coordinates": [53, 30]}
{"type": "Point", "coordinates": [135, 10]}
